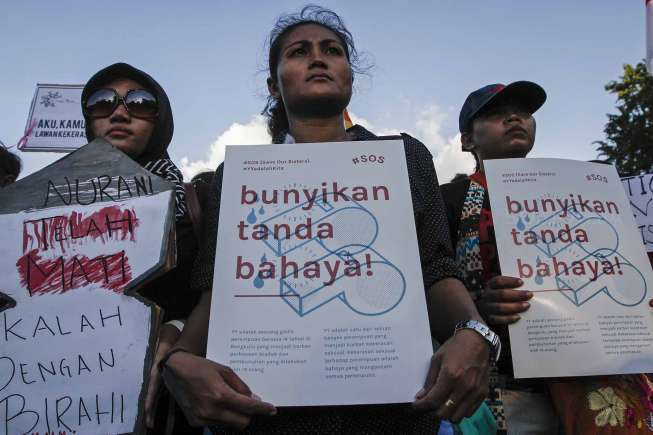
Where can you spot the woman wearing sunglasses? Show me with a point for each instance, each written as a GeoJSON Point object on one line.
{"type": "Point", "coordinates": [312, 61]}
{"type": "Point", "coordinates": [130, 110]}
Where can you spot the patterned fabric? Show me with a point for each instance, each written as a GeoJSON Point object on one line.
{"type": "Point", "coordinates": [605, 405]}
{"type": "Point", "coordinates": [468, 247]}
{"type": "Point", "coordinates": [470, 264]}
{"type": "Point", "coordinates": [167, 170]}
{"type": "Point", "coordinates": [494, 400]}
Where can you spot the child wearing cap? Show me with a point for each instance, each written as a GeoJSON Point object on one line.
{"type": "Point", "coordinates": [496, 121]}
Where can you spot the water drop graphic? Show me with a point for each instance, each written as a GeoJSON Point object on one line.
{"type": "Point", "coordinates": [264, 259]}
{"type": "Point", "coordinates": [520, 224]}
{"type": "Point", "coordinates": [261, 211]}
{"type": "Point", "coordinates": [538, 279]}
{"type": "Point", "coordinates": [258, 281]}
{"type": "Point", "coordinates": [251, 217]}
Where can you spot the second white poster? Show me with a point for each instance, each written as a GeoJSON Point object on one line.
{"type": "Point", "coordinates": [567, 230]}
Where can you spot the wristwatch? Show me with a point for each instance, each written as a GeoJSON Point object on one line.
{"type": "Point", "coordinates": [493, 339]}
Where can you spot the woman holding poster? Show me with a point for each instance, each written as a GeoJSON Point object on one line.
{"type": "Point", "coordinates": [312, 61]}
{"type": "Point", "coordinates": [129, 109]}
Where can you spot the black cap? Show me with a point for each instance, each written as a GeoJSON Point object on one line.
{"type": "Point", "coordinates": [530, 94]}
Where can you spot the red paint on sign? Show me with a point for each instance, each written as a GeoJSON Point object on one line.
{"type": "Point", "coordinates": [45, 267]}
{"type": "Point", "coordinates": [60, 275]}
{"type": "Point", "coordinates": [108, 223]}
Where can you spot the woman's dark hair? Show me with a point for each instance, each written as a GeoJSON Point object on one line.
{"type": "Point", "coordinates": [274, 109]}
{"type": "Point", "coordinates": [10, 163]}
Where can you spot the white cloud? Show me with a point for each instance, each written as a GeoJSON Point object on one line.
{"type": "Point", "coordinates": [253, 132]}
{"type": "Point", "coordinates": [379, 131]}
{"type": "Point", "coordinates": [427, 127]}
{"type": "Point", "coordinates": [448, 158]}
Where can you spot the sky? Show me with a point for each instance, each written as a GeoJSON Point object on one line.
{"type": "Point", "coordinates": [425, 58]}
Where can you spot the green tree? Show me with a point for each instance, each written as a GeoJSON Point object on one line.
{"type": "Point", "coordinates": [629, 133]}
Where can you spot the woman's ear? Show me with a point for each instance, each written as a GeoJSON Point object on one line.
{"type": "Point", "coordinates": [273, 89]}
{"type": "Point", "coordinates": [466, 141]}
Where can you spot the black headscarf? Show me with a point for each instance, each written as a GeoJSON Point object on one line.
{"type": "Point", "coordinates": [155, 158]}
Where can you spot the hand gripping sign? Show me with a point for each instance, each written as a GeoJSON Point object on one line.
{"type": "Point", "coordinates": [78, 237]}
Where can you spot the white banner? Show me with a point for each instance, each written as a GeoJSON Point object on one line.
{"type": "Point", "coordinates": [55, 121]}
{"type": "Point", "coordinates": [566, 229]}
{"type": "Point", "coordinates": [76, 343]}
{"type": "Point", "coordinates": [639, 191]}
{"type": "Point", "coordinates": [318, 296]}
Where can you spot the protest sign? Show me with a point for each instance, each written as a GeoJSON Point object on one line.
{"type": "Point", "coordinates": [78, 237]}
{"type": "Point", "coordinates": [55, 121]}
{"type": "Point", "coordinates": [639, 190]}
{"type": "Point", "coordinates": [566, 229]}
{"type": "Point", "coordinates": [318, 296]}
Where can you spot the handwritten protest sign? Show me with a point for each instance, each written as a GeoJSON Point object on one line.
{"type": "Point", "coordinates": [318, 297]}
{"type": "Point", "coordinates": [566, 229]}
{"type": "Point", "coordinates": [55, 121]}
{"type": "Point", "coordinates": [75, 344]}
{"type": "Point", "coordinates": [639, 191]}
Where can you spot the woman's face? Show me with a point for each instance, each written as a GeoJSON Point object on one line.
{"type": "Point", "coordinates": [127, 133]}
{"type": "Point", "coordinates": [314, 77]}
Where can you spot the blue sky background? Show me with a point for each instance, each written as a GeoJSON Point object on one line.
{"type": "Point", "coordinates": [427, 56]}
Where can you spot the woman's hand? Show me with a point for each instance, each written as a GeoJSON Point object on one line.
{"type": "Point", "coordinates": [457, 381]}
{"type": "Point", "coordinates": [500, 304]}
{"type": "Point", "coordinates": [210, 393]}
{"type": "Point", "coordinates": [168, 335]}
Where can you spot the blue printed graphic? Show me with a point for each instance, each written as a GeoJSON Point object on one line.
{"type": "Point", "coordinates": [599, 256]}
{"type": "Point", "coordinates": [380, 285]}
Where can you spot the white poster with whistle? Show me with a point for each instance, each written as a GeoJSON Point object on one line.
{"type": "Point", "coordinates": [318, 296]}
{"type": "Point", "coordinates": [567, 230]}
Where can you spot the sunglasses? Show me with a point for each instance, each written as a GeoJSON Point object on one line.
{"type": "Point", "coordinates": [138, 102]}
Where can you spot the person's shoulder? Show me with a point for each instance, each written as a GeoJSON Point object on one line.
{"type": "Point", "coordinates": [217, 176]}
{"type": "Point", "coordinates": [416, 147]}
{"type": "Point", "coordinates": [412, 145]}
{"type": "Point", "coordinates": [458, 183]}
{"type": "Point", "coordinates": [453, 197]}
{"type": "Point", "coordinates": [455, 189]}
{"type": "Point", "coordinates": [358, 132]}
